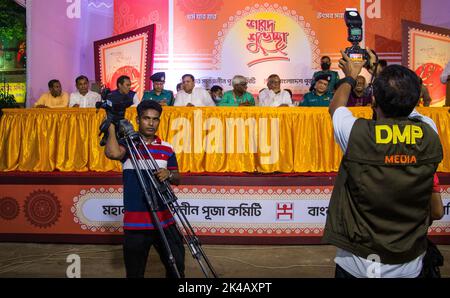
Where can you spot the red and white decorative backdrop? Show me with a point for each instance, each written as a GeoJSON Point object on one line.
{"type": "Point", "coordinates": [217, 39]}
{"type": "Point", "coordinates": [128, 54]}
{"type": "Point", "coordinates": [427, 51]}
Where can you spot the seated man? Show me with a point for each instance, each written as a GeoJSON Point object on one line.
{"type": "Point", "coordinates": [159, 94]}
{"type": "Point", "coordinates": [359, 96]}
{"type": "Point", "coordinates": [325, 64]}
{"type": "Point", "coordinates": [55, 98]}
{"type": "Point", "coordinates": [216, 93]}
{"type": "Point", "coordinates": [273, 95]}
{"type": "Point", "coordinates": [124, 87]}
{"type": "Point", "coordinates": [319, 97]}
{"type": "Point", "coordinates": [192, 96]}
{"type": "Point", "coordinates": [83, 98]}
{"type": "Point", "coordinates": [239, 95]}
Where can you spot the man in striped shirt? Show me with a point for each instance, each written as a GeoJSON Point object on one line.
{"type": "Point", "coordinates": [140, 232]}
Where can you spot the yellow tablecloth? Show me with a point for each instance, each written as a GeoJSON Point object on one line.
{"type": "Point", "coordinates": [243, 139]}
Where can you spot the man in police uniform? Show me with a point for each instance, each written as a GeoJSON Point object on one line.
{"type": "Point", "coordinates": [158, 94]}
{"type": "Point", "coordinates": [325, 65]}
{"type": "Point", "coordinates": [320, 96]}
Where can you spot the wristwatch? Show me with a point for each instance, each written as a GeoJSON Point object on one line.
{"type": "Point", "coordinates": [170, 176]}
{"type": "Point", "coordinates": [351, 81]}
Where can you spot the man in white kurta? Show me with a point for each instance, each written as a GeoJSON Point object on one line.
{"type": "Point", "coordinates": [273, 95]}
{"type": "Point", "coordinates": [83, 97]}
{"type": "Point", "coordinates": [193, 96]}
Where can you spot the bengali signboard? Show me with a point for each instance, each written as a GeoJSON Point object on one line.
{"type": "Point", "coordinates": [217, 39]}
{"type": "Point", "coordinates": [225, 211]}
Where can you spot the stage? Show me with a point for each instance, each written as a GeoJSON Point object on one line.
{"type": "Point", "coordinates": [250, 175]}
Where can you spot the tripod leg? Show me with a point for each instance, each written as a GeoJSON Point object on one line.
{"type": "Point", "coordinates": [193, 242]}
{"type": "Point", "coordinates": [169, 198]}
{"type": "Point", "coordinates": [177, 248]}
{"type": "Point", "coordinates": [163, 239]}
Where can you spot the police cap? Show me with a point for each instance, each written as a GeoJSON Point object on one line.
{"type": "Point", "coordinates": [158, 77]}
{"type": "Point", "coordinates": [325, 77]}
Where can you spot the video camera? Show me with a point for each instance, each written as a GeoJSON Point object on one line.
{"type": "Point", "coordinates": [355, 36]}
{"type": "Point", "coordinates": [115, 105]}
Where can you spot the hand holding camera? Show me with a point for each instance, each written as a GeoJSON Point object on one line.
{"type": "Point", "coordinates": [351, 68]}
{"type": "Point", "coordinates": [355, 36]}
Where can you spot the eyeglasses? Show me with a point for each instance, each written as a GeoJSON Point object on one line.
{"type": "Point", "coordinates": [243, 84]}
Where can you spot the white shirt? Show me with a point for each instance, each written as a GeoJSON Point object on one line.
{"type": "Point", "coordinates": [445, 73]}
{"type": "Point", "coordinates": [268, 98]}
{"type": "Point", "coordinates": [199, 98]}
{"type": "Point", "coordinates": [86, 101]}
{"type": "Point", "coordinates": [136, 100]}
{"type": "Point", "coordinates": [343, 121]}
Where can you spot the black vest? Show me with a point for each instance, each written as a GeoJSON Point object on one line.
{"type": "Point", "coordinates": [381, 198]}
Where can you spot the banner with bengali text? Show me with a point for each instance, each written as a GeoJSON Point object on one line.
{"type": "Point", "coordinates": [213, 210]}
{"type": "Point", "coordinates": [216, 39]}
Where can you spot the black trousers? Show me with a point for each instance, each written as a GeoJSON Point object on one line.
{"type": "Point", "coordinates": [137, 245]}
{"type": "Point", "coordinates": [341, 273]}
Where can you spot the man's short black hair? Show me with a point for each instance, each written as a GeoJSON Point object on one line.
{"type": "Point", "coordinates": [396, 91]}
{"type": "Point", "coordinates": [121, 80]}
{"type": "Point", "coordinates": [81, 78]}
{"type": "Point", "coordinates": [188, 75]}
{"type": "Point", "coordinates": [324, 57]}
{"type": "Point", "coordinates": [148, 105]}
{"type": "Point", "coordinates": [216, 88]}
{"type": "Point", "coordinates": [382, 63]}
{"type": "Point", "coordinates": [52, 82]}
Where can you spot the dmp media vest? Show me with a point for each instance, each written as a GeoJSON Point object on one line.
{"type": "Point", "coordinates": [381, 199]}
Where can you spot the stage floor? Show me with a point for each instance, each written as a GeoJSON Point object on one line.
{"type": "Point", "coordinates": [230, 261]}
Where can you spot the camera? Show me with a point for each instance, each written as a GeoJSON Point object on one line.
{"type": "Point", "coordinates": [355, 36]}
{"type": "Point", "coordinates": [115, 105]}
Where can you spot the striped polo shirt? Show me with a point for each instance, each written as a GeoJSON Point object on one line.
{"type": "Point", "coordinates": [137, 211]}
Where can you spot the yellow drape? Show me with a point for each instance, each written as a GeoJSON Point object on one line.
{"type": "Point", "coordinates": [241, 139]}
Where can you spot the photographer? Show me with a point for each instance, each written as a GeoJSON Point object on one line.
{"type": "Point", "coordinates": [140, 232]}
{"type": "Point", "coordinates": [383, 199]}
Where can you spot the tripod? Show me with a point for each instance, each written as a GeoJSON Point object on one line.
{"type": "Point", "coordinates": [159, 195]}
